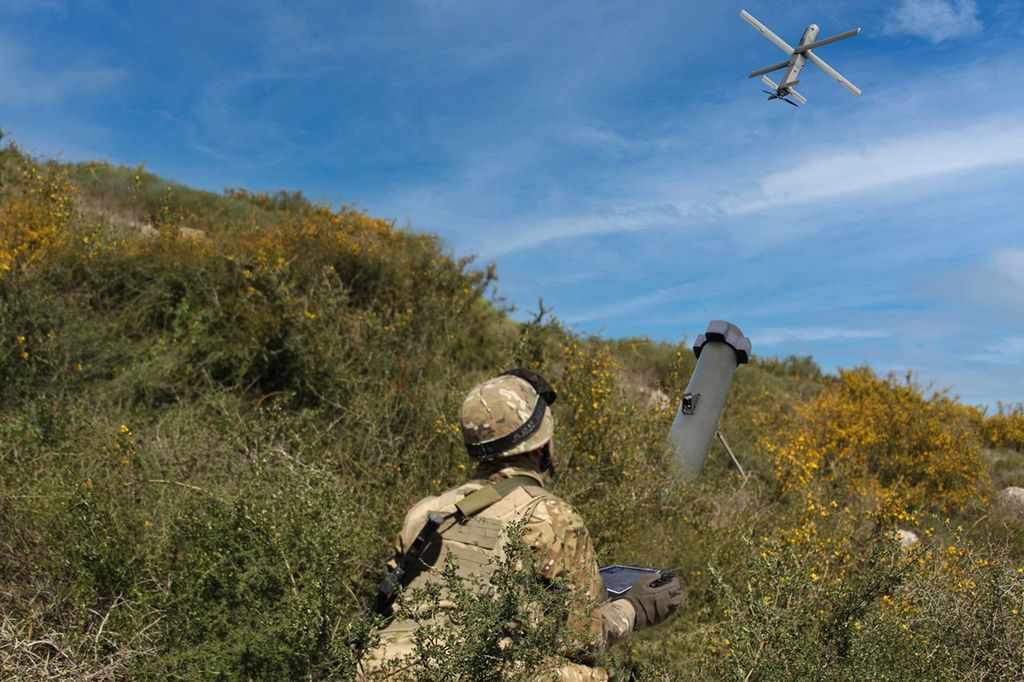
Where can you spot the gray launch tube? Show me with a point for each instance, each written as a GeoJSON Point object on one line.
{"type": "Point", "coordinates": [719, 351]}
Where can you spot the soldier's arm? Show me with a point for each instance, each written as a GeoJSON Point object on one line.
{"type": "Point", "coordinates": [564, 551]}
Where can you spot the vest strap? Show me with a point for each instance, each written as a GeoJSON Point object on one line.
{"type": "Point", "coordinates": [481, 499]}
{"type": "Point", "coordinates": [471, 504]}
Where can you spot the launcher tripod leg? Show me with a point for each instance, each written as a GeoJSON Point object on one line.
{"type": "Point", "coordinates": [735, 461]}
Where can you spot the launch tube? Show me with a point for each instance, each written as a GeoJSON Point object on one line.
{"type": "Point", "coordinates": [719, 350]}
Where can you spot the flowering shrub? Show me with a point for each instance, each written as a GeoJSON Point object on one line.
{"type": "Point", "coordinates": [33, 213]}
{"type": "Point", "coordinates": [880, 440]}
{"type": "Point", "coordinates": [1004, 430]}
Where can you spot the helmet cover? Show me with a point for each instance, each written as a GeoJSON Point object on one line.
{"type": "Point", "coordinates": [500, 418]}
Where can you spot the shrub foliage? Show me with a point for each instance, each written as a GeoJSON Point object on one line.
{"type": "Point", "coordinates": [216, 409]}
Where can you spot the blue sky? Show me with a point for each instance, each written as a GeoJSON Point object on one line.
{"type": "Point", "coordinates": [610, 157]}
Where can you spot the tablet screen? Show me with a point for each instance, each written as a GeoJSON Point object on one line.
{"type": "Point", "coordinates": [618, 579]}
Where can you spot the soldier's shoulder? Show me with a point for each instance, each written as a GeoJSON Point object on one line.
{"type": "Point", "coordinates": [553, 509]}
{"type": "Point", "coordinates": [443, 502]}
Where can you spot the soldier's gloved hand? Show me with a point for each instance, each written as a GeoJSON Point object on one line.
{"type": "Point", "coordinates": [655, 599]}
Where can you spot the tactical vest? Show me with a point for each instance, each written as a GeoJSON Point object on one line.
{"type": "Point", "coordinates": [474, 536]}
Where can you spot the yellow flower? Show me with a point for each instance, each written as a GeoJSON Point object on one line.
{"type": "Point", "coordinates": [125, 430]}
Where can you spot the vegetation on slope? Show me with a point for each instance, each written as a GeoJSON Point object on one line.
{"type": "Point", "coordinates": [216, 408]}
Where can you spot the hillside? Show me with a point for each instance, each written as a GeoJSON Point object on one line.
{"type": "Point", "coordinates": [217, 407]}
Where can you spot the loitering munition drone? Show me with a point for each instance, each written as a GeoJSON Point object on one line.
{"type": "Point", "coordinates": [797, 58]}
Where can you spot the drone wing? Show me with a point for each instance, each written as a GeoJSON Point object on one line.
{"type": "Point", "coordinates": [769, 69]}
{"type": "Point", "coordinates": [827, 41]}
{"type": "Point", "coordinates": [764, 30]}
{"type": "Point", "coordinates": [832, 72]}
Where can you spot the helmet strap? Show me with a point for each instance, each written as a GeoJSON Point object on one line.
{"type": "Point", "coordinates": [535, 380]}
{"type": "Point", "coordinates": [547, 465]}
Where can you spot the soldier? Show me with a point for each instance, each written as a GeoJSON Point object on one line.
{"type": "Point", "coordinates": [508, 428]}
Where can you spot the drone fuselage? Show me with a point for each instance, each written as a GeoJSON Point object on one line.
{"type": "Point", "coordinates": [797, 60]}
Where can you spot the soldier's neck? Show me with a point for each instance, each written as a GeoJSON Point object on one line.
{"type": "Point", "coordinates": [512, 466]}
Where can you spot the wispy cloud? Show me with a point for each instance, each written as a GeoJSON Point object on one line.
{"type": "Point", "coordinates": [773, 336]}
{"type": "Point", "coordinates": [996, 284]}
{"type": "Point", "coordinates": [881, 167]}
{"type": "Point", "coordinates": [25, 82]}
{"type": "Point", "coordinates": [1009, 262]}
{"type": "Point", "coordinates": [888, 162]}
{"type": "Point", "coordinates": [631, 305]}
{"type": "Point", "coordinates": [936, 20]}
{"type": "Point", "coordinates": [610, 221]}
{"type": "Point", "coordinates": [1008, 350]}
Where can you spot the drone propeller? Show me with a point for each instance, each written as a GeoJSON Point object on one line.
{"type": "Point", "coordinates": [775, 95]}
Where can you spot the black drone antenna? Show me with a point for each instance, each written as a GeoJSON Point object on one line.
{"type": "Point", "coordinates": [789, 101]}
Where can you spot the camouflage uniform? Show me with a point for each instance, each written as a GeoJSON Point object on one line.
{"type": "Point", "coordinates": [553, 529]}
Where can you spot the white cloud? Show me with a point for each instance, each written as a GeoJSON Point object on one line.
{"type": "Point", "coordinates": [778, 335]}
{"type": "Point", "coordinates": [630, 305]}
{"type": "Point", "coordinates": [612, 221]}
{"type": "Point", "coordinates": [996, 284]}
{"type": "Point", "coordinates": [1008, 350]}
{"type": "Point", "coordinates": [24, 83]}
{"type": "Point", "coordinates": [880, 168]}
{"type": "Point", "coordinates": [1009, 263]}
{"type": "Point", "coordinates": [936, 20]}
{"type": "Point", "coordinates": [888, 162]}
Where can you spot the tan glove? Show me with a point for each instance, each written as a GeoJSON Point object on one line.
{"type": "Point", "coordinates": [655, 599]}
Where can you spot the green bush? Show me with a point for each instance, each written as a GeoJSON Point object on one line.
{"type": "Point", "coordinates": [208, 439]}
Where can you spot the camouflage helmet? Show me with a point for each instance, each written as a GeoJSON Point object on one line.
{"type": "Point", "coordinates": [507, 415]}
